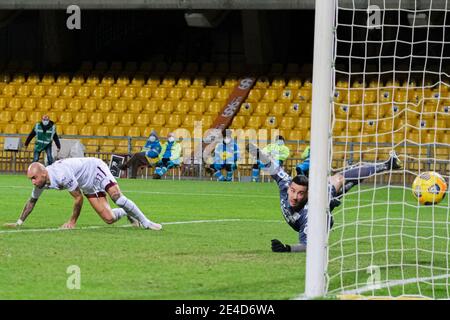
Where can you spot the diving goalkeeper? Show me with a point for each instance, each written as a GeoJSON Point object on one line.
{"type": "Point", "coordinates": [294, 193]}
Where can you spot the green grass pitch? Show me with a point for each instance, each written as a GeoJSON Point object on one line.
{"type": "Point", "coordinates": [215, 244]}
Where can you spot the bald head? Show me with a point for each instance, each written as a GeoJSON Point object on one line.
{"type": "Point", "coordinates": [37, 174]}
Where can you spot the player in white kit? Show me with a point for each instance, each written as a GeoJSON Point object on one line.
{"type": "Point", "coordinates": [88, 176]}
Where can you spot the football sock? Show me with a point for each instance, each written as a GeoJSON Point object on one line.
{"type": "Point", "coordinates": [358, 174]}
{"type": "Point", "coordinates": [300, 247]}
{"type": "Point", "coordinates": [132, 209]}
{"type": "Point", "coordinates": [118, 213]}
{"type": "Point", "coordinates": [255, 174]}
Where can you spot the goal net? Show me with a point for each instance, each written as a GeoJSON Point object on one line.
{"type": "Point", "coordinates": [391, 91]}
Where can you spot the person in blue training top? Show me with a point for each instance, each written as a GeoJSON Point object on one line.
{"type": "Point", "coordinates": [278, 151]}
{"type": "Point", "coordinates": [294, 193]}
{"type": "Point", "coordinates": [147, 157]}
{"type": "Point", "coordinates": [302, 168]}
{"type": "Point", "coordinates": [226, 155]}
{"type": "Point", "coordinates": [169, 157]}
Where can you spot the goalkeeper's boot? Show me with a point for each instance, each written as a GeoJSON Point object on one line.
{"type": "Point", "coordinates": [394, 163]}
{"type": "Point", "coordinates": [154, 226]}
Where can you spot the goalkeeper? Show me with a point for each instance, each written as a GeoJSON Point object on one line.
{"type": "Point", "coordinates": [294, 193]}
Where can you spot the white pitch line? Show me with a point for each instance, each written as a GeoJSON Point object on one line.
{"type": "Point", "coordinates": [126, 226]}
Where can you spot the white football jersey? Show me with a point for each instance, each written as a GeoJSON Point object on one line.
{"type": "Point", "coordinates": [91, 175]}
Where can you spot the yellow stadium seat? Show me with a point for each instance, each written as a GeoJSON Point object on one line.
{"type": "Point", "coordinates": [295, 135]}
{"type": "Point", "coordinates": [48, 78]}
{"type": "Point", "coordinates": [278, 109]}
{"type": "Point", "coordinates": [9, 90]}
{"type": "Point", "coordinates": [135, 106]}
{"type": "Point", "coordinates": [342, 111]}
{"type": "Point", "coordinates": [122, 81]}
{"type": "Point", "coordinates": [148, 130]}
{"type": "Point", "coordinates": [152, 106]}
{"type": "Point", "coordinates": [75, 105]}
{"type": "Point", "coordinates": [33, 79]}
{"type": "Point", "coordinates": [77, 79]}
{"type": "Point", "coordinates": [175, 94]}
{"type": "Point", "coordinates": [122, 147]}
{"type": "Point", "coordinates": [270, 95]}
{"type": "Point", "coordinates": [294, 83]}
{"type": "Point", "coordinates": [134, 132]}
{"type": "Point", "coordinates": [247, 108]}
{"type": "Point", "coordinates": [10, 128]}
{"type": "Point", "coordinates": [278, 83]}
{"type": "Point", "coordinates": [159, 120]}
{"type": "Point", "coordinates": [117, 132]}
{"type": "Point", "coordinates": [89, 105]}
{"type": "Point", "coordinates": [166, 107]}
{"type": "Point", "coordinates": [23, 91]}
{"type": "Point", "coordinates": [168, 81]}
{"type": "Point", "coordinates": [254, 122]}
{"type": "Point", "coordinates": [287, 95]}
{"type": "Point", "coordinates": [230, 82]}
{"type": "Point", "coordinates": [238, 122]}
{"type": "Point", "coordinates": [92, 145]}
{"type": "Point", "coordinates": [15, 104]}
{"type": "Point", "coordinates": [69, 91]}
{"type": "Point", "coordinates": [207, 121]}
{"type": "Point", "coordinates": [129, 93]}
{"type": "Point", "coordinates": [287, 123]}
{"type": "Point", "coordinates": [44, 104]}
{"type": "Point", "coordinates": [262, 82]}
{"type": "Point", "coordinates": [53, 91]}
{"type": "Point", "coordinates": [294, 109]}
{"type": "Point", "coordinates": [214, 107]}
{"type": "Point", "coordinates": [199, 81]}
{"type": "Point", "coordinates": [145, 92]}
{"type": "Point", "coordinates": [20, 117]}
{"type": "Point", "coordinates": [184, 82]}
{"type": "Point", "coordinates": [65, 118]}
{"type": "Point", "coordinates": [71, 130]}
{"type": "Point", "coordinates": [153, 81]}
{"type": "Point", "coordinates": [96, 119]}
{"type": "Point", "coordinates": [160, 93]}
{"type": "Point", "coordinates": [38, 91]}
{"type": "Point", "coordinates": [188, 120]}
{"type": "Point", "coordinates": [303, 123]}
{"type": "Point", "coordinates": [86, 130]}
{"type": "Point", "coordinates": [182, 107]}
{"type": "Point", "coordinates": [304, 94]}
{"type": "Point", "coordinates": [104, 106]}
{"type": "Point", "coordinates": [92, 80]}
{"type": "Point", "coordinates": [222, 94]}
{"type": "Point", "coordinates": [198, 107]}
{"type": "Point", "coordinates": [107, 145]}
{"type": "Point", "coordinates": [114, 92]}
{"type": "Point", "coordinates": [126, 119]}
{"type": "Point", "coordinates": [102, 131]}
{"type": "Point", "coordinates": [111, 119]}
{"type": "Point", "coordinates": [174, 121]}
{"type": "Point", "coordinates": [83, 92]}
{"type": "Point", "coordinates": [29, 104]}
{"type": "Point", "coordinates": [142, 119]}
{"type": "Point", "coordinates": [3, 102]}
{"type": "Point", "coordinates": [33, 118]}
{"type": "Point", "coordinates": [98, 92]}
{"type": "Point", "coordinates": [271, 122]}
{"type": "Point", "coordinates": [18, 78]}
{"type": "Point", "coordinates": [119, 106]}
{"type": "Point", "coordinates": [215, 80]}
{"type": "Point", "coordinates": [255, 95]}
{"type": "Point", "coordinates": [262, 109]}
{"type": "Point", "coordinates": [191, 94]}
{"type": "Point", "coordinates": [80, 118]}
{"type": "Point", "coordinates": [138, 80]}
{"type": "Point", "coordinates": [62, 79]}
{"type": "Point", "coordinates": [307, 108]}
{"type": "Point", "coordinates": [207, 94]}
{"type": "Point", "coordinates": [25, 128]}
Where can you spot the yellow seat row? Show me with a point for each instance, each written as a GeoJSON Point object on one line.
{"type": "Point", "coordinates": [295, 108]}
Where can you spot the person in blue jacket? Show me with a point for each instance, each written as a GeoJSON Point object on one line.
{"type": "Point", "coordinates": [226, 155]}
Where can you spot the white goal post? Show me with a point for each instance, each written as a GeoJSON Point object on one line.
{"type": "Point", "coordinates": [381, 83]}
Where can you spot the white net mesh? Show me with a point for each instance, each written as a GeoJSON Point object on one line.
{"type": "Point", "coordinates": [391, 69]}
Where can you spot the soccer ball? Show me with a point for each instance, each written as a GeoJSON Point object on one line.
{"type": "Point", "coordinates": [429, 188]}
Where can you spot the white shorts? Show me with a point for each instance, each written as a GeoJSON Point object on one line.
{"type": "Point", "coordinates": [102, 181]}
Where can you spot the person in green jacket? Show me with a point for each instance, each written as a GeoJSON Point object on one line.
{"type": "Point", "coordinates": [279, 153]}
{"type": "Point", "coordinates": [45, 133]}
{"type": "Point", "coordinates": [169, 157]}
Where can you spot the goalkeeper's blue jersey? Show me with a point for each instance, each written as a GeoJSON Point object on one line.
{"type": "Point", "coordinates": [298, 220]}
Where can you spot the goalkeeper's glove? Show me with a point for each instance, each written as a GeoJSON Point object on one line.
{"type": "Point", "coordinates": [278, 246]}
